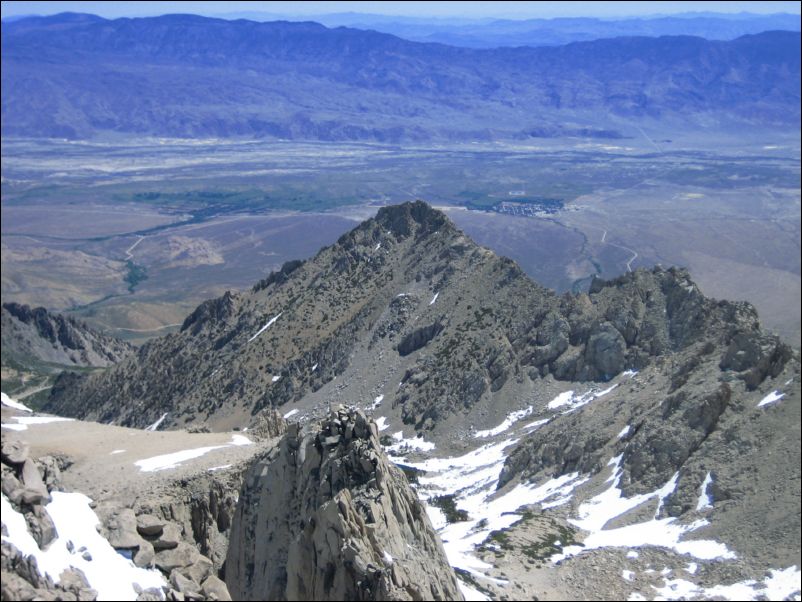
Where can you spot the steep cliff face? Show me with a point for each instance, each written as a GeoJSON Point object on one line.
{"type": "Point", "coordinates": [707, 357]}
{"type": "Point", "coordinates": [38, 336]}
{"type": "Point", "coordinates": [326, 516]}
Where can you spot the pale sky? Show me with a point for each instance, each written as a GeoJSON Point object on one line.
{"type": "Point", "coordinates": [496, 9]}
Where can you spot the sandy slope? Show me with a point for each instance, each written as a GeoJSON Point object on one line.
{"type": "Point", "coordinates": [100, 473]}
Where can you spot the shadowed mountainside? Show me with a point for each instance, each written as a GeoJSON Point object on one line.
{"type": "Point", "coordinates": [36, 336]}
{"type": "Point", "coordinates": [79, 76]}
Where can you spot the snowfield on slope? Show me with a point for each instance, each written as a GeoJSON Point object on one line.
{"type": "Point", "coordinates": [472, 479]}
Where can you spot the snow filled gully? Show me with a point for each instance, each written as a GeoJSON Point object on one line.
{"type": "Point", "coordinates": [465, 487]}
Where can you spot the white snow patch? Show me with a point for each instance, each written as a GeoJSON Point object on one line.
{"type": "Point", "coordinates": [535, 424]}
{"type": "Point", "coordinates": [568, 398]}
{"type": "Point", "coordinates": [13, 403]}
{"type": "Point", "coordinates": [175, 459]}
{"type": "Point", "coordinates": [407, 445]}
{"type": "Point", "coordinates": [109, 573]}
{"type": "Point", "coordinates": [314, 367]}
{"type": "Point", "coordinates": [156, 424]}
{"type": "Point", "coordinates": [221, 467]}
{"type": "Point", "coordinates": [381, 422]}
{"type": "Point", "coordinates": [632, 554]}
{"type": "Point", "coordinates": [691, 568]}
{"type": "Point", "coordinates": [117, 451]}
{"type": "Point", "coordinates": [266, 326]}
{"type": "Point", "coordinates": [628, 575]}
{"type": "Point", "coordinates": [378, 246]}
{"type": "Point", "coordinates": [387, 557]}
{"type": "Point", "coordinates": [291, 413]}
{"type": "Point", "coordinates": [511, 419]}
{"type": "Point", "coordinates": [472, 479]}
{"type": "Point", "coordinates": [28, 420]}
{"type": "Point", "coordinates": [771, 398]}
{"type": "Point", "coordinates": [276, 378]}
{"type": "Point", "coordinates": [167, 461]}
{"type": "Point", "coordinates": [562, 399]}
{"type": "Point", "coordinates": [783, 583]}
{"type": "Point", "coordinates": [238, 440]}
{"type": "Point", "coordinates": [496, 513]}
{"type": "Point", "coordinates": [624, 432]}
{"type": "Point", "coordinates": [436, 516]}
{"type": "Point", "coordinates": [469, 593]}
{"type": "Point", "coordinates": [434, 298]}
{"type": "Point", "coordinates": [629, 373]}
{"type": "Point", "coordinates": [780, 585]}
{"type": "Point", "coordinates": [377, 401]}
{"type": "Point", "coordinates": [25, 421]}
{"type": "Point", "coordinates": [595, 513]}
{"type": "Point", "coordinates": [788, 382]}
{"type": "Point", "coordinates": [705, 501]}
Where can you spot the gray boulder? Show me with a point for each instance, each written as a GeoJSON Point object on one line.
{"type": "Point", "coordinates": [214, 589]}
{"type": "Point", "coordinates": [269, 423]}
{"type": "Point", "coordinates": [14, 451]}
{"type": "Point", "coordinates": [35, 491]}
{"type": "Point", "coordinates": [147, 524]}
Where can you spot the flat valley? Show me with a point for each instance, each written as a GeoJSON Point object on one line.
{"type": "Point", "coordinates": [131, 236]}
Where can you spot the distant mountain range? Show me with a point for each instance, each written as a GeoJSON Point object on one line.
{"type": "Point", "coordinates": [496, 33]}
{"type": "Point", "coordinates": [81, 76]}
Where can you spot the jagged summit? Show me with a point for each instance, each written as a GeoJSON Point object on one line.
{"type": "Point", "coordinates": [407, 298]}
{"type": "Point", "coordinates": [326, 516]}
{"type": "Point", "coordinates": [414, 216]}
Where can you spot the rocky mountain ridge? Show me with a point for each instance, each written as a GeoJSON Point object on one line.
{"type": "Point", "coordinates": [661, 427]}
{"type": "Point", "coordinates": [172, 523]}
{"type": "Point", "coordinates": [37, 345]}
{"type": "Point", "coordinates": [36, 335]}
{"type": "Point", "coordinates": [459, 326]}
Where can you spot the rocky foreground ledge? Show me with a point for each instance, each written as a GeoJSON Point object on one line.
{"type": "Point", "coordinates": [326, 516]}
{"type": "Point", "coordinates": [88, 515]}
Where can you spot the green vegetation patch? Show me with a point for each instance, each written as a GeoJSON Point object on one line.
{"type": "Point", "coordinates": [136, 274]}
{"type": "Point", "coordinates": [546, 546]}
{"type": "Point", "coordinates": [553, 537]}
{"type": "Point", "coordinates": [501, 539]}
{"type": "Point", "coordinates": [302, 197]}
{"type": "Point", "coordinates": [411, 472]}
{"type": "Point", "coordinates": [447, 504]}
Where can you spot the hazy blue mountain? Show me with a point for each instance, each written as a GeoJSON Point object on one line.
{"type": "Point", "coordinates": [78, 76]}
{"type": "Point", "coordinates": [494, 33]}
